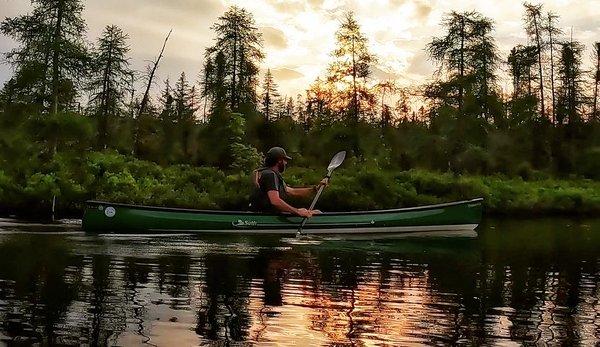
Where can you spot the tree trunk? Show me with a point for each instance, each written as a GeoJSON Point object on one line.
{"type": "Point", "coordinates": [267, 105]}
{"type": "Point", "coordinates": [105, 98]}
{"type": "Point", "coordinates": [539, 54]}
{"type": "Point", "coordinates": [596, 82]}
{"type": "Point", "coordinates": [147, 94]}
{"type": "Point", "coordinates": [234, 71]}
{"type": "Point", "coordinates": [151, 76]}
{"type": "Point", "coordinates": [44, 87]}
{"type": "Point", "coordinates": [552, 77]}
{"type": "Point", "coordinates": [462, 64]}
{"type": "Point", "coordinates": [354, 91]}
{"type": "Point", "coordinates": [206, 83]}
{"type": "Point", "coordinates": [131, 106]}
{"type": "Point", "coordinates": [56, 56]}
{"type": "Point", "coordinates": [485, 85]}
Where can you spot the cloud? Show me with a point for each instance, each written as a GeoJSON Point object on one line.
{"type": "Point", "coordinates": [285, 73]}
{"type": "Point", "coordinates": [300, 34]}
{"type": "Point", "coordinates": [287, 6]}
{"type": "Point", "coordinates": [422, 10]}
{"type": "Point", "coordinates": [397, 3]}
{"type": "Point", "coordinates": [420, 65]}
{"type": "Point", "coordinates": [274, 37]}
{"type": "Point", "coordinates": [316, 3]}
{"type": "Point", "coordinates": [380, 74]}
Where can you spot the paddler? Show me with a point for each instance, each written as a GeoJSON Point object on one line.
{"type": "Point", "coordinates": [271, 192]}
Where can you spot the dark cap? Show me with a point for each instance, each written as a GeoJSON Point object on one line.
{"type": "Point", "coordinates": [275, 154]}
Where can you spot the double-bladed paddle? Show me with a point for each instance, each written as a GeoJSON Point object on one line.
{"type": "Point", "coordinates": [335, 162]}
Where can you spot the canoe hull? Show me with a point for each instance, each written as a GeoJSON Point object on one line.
{"type": "Point", "coordinates": [108, 217]}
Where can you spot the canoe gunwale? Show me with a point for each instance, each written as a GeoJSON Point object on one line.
{"type": "Point", "coordinates": [251, 213]}
{"type": "Point", "coordinates": [335, 231]}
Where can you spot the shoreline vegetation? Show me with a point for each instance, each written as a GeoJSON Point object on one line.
{"type": "Point", "coordinates": [356, 186]}
{"type": "Point", "coordinates": [77, 122]}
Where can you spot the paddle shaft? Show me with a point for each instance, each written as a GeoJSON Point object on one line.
{"type": "Point", "coordinates": [314, 202]}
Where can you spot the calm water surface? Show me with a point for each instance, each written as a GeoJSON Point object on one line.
{"type": "Point", "coordinates": [522, 282]}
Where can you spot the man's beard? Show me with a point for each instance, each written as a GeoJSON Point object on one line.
{"type": "Point", "coordinates": [281, 167]}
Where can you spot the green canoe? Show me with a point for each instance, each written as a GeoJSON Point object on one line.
{"type": "Point", "coordinates": [106, 217]}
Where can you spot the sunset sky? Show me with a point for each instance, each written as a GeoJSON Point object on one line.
{"type": "Point", "coordinates": [299, 34]}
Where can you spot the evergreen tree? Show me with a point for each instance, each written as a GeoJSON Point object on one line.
{"type": "Point", "coordinates": [485, 62]}
{"type": "Point", "coordinates": [319, 101]}
{"type": "Point", "coordinates": [52, 56]}
{"type": "Point", "coordinates": [467, 57]}
{"type": "Point", "coordinates": [206, 83]}
{"type": "Point", "coordinates": [270, 96]}
{"type": "Point", "coordinates": [385, 88]}
{"type": "Point", "coordinates": [523, 105]}
{"type": "Point", "coordinates": [352, 65]}
{"type": "Point", "coordinates": [240, 44]}
{"type": "Point", "coordinates": [534, 29]}
{"type": "Point", "coordinates": [520, 61]}
{"type": "Point", "coordinates": [167, 113]}
{"type": "Point", "coordinates": [450, 52]}
{"type": "Point", "coordinates": [288, 109]}
{"type": "Point", "coordinates": [595, 111]}
{"type": "Point", "coordinates": [216, 87]}
{"type": "Point", "coordinates": [402, 106]}
{"type": "Point", "coordinates": [570, 92]}
{"type": "Point", "coordinates": [553, 31]}
{"type": "Point", "coordinates": [110, 82]}
{"type": "Point", "coordinates": [184, 98]}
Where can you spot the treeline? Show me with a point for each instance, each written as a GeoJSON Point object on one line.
{"type": "Point", "coordinates": [119, 178]}
{"type": "Point", "coordinates": [68, 96]}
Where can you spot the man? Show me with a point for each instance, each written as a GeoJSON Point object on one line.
{"type": "Point", "coordinates": [271, 191]}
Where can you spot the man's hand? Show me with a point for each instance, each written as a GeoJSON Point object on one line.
{"type": "Point", "coordinates": [324, 182]}
{"type": "Point", "coordinates": [302, 212]}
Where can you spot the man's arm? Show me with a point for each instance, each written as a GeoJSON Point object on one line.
{"type": "Point", "coordinates": [283, 206]}
{"type": "Point", "coordinates": [299, 192]}
{"type": "Point", "coordinates": [304, 192]}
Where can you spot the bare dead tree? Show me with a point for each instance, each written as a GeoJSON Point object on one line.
{"type": "Point", "coordinates": [595, 115]}
{"type": "Point", "coordinates": [154, 66]}
{"type": "Point", "coordinates": [144, 102]}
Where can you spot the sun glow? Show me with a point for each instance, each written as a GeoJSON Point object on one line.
{"type": "Point", "coordinates": [300, 34]}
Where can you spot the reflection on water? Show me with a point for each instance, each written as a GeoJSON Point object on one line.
{"type": "Point", "coordinates": [519, 281]}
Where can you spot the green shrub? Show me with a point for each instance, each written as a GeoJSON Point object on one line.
{"type": "Point", "coordinates": [588, 163]}
{"type": "Point", "coordinates": [119, 178]}
{"type": "Point", "coordinates": [474, 160]}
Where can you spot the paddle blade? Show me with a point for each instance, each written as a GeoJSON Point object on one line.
{"type": "Point", "coordinates": [337, 160]}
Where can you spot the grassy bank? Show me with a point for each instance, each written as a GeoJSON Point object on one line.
{"type": "Point", "coordinates": [356, 186]}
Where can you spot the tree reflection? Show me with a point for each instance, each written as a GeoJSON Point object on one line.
{"type": "Point", "coordinates": [35, 287]}
{"type": "Point", "coordinates": [530, 284]}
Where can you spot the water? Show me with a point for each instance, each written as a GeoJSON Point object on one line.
{"type": "Point", "coordinates": [517, 282]}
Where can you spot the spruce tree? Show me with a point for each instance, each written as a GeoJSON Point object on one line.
{"type": "Point", "coordinates": [467, 57]}
{"type": "Point", "coordinates": [534, 29]}
{"type": "Point", "coordinates": [111, 77]}
{"type": "Point", "coordinates": [52, 56]}
{"type": "Point", "coordinates": [167, 113]}
{"type": "Point", "coordinates": [553, 31]}
{"type": "Point", "coordinates": [206, 82]}
{"type": "Point", "coordinates": [270, 96]}
{"type": "Point", "coordinates": [595, 112]}
{"type": "Point", "coordinates": [570, 91]}
{"type": "Point", "coordinates": [352, 64]}
{"type": "Point", "coordinates": [184, 100]}
{"type": "Point", "coordinates": [239, 45]}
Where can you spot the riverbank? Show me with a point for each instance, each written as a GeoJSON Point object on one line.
{"type": "Point", "coordinates": [356, 186]}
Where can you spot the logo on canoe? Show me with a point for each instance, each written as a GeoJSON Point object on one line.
{"type": "Point", "coordinates": [244, 223]}
{"type": "Point", "coordinates": [110, 212]}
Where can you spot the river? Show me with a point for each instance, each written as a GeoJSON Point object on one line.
{"type": "Point", "coordinates": [516, 282]}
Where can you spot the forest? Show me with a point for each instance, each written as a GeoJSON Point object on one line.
{"type": "Point", "coordinates": [75, 125]}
